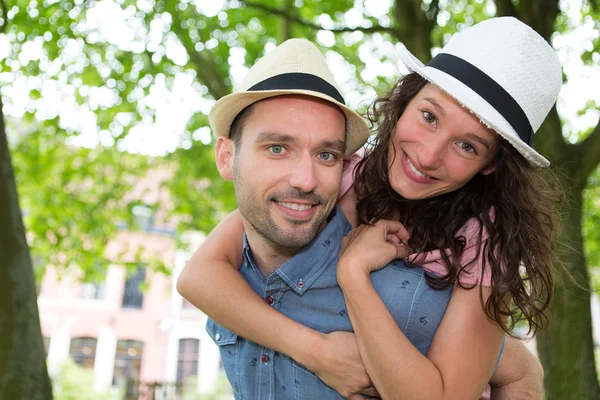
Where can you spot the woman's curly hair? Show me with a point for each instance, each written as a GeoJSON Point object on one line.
{"type": "Point", "coordinates": [514, 206]}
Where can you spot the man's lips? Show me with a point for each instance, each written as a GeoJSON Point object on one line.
{"type": "Point", "coordinates": [296, 206]}
{"type": "Point", "coordinates": [297, 210]}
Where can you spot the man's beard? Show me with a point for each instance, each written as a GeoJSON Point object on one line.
{"type": "Point", "coordinates": [257, 214]}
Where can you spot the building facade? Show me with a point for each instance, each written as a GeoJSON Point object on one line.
{"type": "Point", "coordinates": [133, 326]}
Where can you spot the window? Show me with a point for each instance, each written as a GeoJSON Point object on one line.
{"type": "Point", "coordinates": [83, 351]}
{"type": "Point", "coordinates": [132, 295]}
{"type": "Point", "coordinates": [92, 291]}
{"type": "Point", "coordinates": [187, 362]}
{"type": "Point", "coordinates": [144, 217]}
{"type": "Point", "coordinates": [128, 362]}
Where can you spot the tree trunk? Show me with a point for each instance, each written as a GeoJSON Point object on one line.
{"type": "Point", "coordinates": [23, 373]}
{"type": "Point", "coordinates": [285, 25]}
{"type": "Point", "coordinates": [567, 348]}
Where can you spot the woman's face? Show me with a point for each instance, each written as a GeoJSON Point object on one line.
{"type": "Point", "coordinates": [438, 146]}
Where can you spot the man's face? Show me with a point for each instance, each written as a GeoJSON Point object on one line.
{"type": "Point", "coordinates": [288, 167]}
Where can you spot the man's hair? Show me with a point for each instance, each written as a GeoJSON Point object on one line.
{"type": "Point", "coordinates": [235, 132]}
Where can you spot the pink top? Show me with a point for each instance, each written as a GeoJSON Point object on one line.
{"type": "Point", "coordinates": [350, 163]}
{"type": "Point", "coordinates": [433, 260]}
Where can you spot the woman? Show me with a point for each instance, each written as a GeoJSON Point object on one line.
{"type": "Point", "coordinates": [452, 163]}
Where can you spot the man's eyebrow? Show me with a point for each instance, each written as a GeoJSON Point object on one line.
{"type": "Point", "coordinates": [338, 145]}
{"type": "Point", "coordinates": [268, 137]}
{"type": "Point", "coordinates": [434, 103]}
{"type": "Point", "coordinates": [479, 139]}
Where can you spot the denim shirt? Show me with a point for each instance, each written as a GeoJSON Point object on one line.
{"type": "Point", "coordinates": [305, 289]}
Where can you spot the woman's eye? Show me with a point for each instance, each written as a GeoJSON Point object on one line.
{"type": "Point", "coordinates": [468, 147]}
{"type": "Point", "coordinates": [276, 149]}
{"type": "Point", "coordinates": [429, 117]}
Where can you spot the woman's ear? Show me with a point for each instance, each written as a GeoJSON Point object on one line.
{"type": "Point", "coordinates": [488, 169]}
{"type": "Point", "coordinates": [224, 157]}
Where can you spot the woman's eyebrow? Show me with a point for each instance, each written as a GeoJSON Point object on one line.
{"type": "Point", "coordinates": [435, 104]}
{"type": "Point", "coordinates": [479, 139]}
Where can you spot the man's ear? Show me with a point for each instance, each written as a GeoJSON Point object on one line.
{"type": "Point", "coordinates": [224, 157]}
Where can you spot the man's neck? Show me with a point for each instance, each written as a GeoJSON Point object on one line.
{"type": "Point", "coordinates": [268, 255]}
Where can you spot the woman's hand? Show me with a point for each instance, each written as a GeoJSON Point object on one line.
{"type": "Point", "coordinates": [371, 247]}
{"type": "Point", "coordinates": [336, 361]}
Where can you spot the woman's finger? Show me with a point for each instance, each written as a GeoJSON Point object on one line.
{"type": "Point", "coordinates": [394, 227]}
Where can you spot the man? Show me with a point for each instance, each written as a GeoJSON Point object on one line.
{"type": "Point", "coordinates": [282, 140]}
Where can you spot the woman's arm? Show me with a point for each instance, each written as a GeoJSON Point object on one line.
{"type": "Point", "coordinates": [211, 281]}
{"type": "Point", "coordinates": [465, 347]}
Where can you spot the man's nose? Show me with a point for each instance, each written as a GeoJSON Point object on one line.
{"type": "Point", "coordinates": [304, 176]}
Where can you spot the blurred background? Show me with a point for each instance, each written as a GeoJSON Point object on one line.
{"type": "Point", "coordinates": [108, 184]}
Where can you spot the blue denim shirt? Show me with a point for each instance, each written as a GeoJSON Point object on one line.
{"type": "Point", "coordinates": [305, 289]}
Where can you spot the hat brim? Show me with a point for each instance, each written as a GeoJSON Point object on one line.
{"type": "Point", "coordinates": [228, 107]}
{"type": "Point", "coordinates": [469, 99]}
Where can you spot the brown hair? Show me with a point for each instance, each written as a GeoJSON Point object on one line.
{"type": "Point", "coordinates": [514, 205]}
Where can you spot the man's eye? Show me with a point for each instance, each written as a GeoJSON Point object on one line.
{"type": "Point", "coordinates": [276, 149]}
{"type": "Point", "coordinates": [328, 156]}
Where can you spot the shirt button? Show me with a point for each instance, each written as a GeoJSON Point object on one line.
{"type": "Point", "coordinates": [218, 337]}
{"type": "Point", "coordinates": [269, 300]}
{"type": "Point", "coordinates": [265, 358]}
{"type": "Point", "coordinates": [300, 284]}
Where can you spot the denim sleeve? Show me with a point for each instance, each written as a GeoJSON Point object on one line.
{"type": "Point", "coordinates": [500, 354]}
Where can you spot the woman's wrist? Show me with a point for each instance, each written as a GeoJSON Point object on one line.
{"type": "Point", "coordinates": [305, 347]}
{"type": "Point", "coordinates": [348, 273]}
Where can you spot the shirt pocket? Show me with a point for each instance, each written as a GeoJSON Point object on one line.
{"type": "Point", "coordinates": [309, 386]}
{"type": "Point", "coordinates": [229, 347]}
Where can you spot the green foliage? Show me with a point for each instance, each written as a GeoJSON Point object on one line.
{"type": "Point", "coordinates": [71, 197]}
{"type": "Point", "coordinates": [59, 55]}
{"type": "Point", "coordinates": [591, 223]}
{"type": "Point", "coordinates": [222, 391]}
{"type": "Point", "coordinates": [76, 383]}
{"type": "Point", "coordinates": [458, 14]}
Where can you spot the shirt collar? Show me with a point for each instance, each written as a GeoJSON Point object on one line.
{"type": "Point", "coordinates": [301, 271]}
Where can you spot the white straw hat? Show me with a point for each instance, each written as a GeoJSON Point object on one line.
{"type": "Point", "coordinates": [294, 67]}
{"type": "Point", "coordinates": [502, 71]}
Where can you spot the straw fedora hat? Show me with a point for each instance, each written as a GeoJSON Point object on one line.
{"type": "Point", "coordinates": [294, 67]}
{"type": "Point", "coordinates": [502, 71]}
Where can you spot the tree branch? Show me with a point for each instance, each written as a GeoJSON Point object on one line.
{"type": "Point", "coordinates": [506, 8]}
{"type": "Point", "coordinates": [540, 15]}
{"type": "Point", "coordinates": [415, 28]}
{"type": "Point", "coordinates": [549, 141]}
{"type": "Point", "coordinates": [207, 70]}
{"type": "Point", "coordinates": [432, 22]}
{"type": "Point", "coordinates": [590, 153]}
{"type": "Point", "coordinates": [286, 26]}
{"type": "Point", "coordinates": [308, 24]}
{"type": "Point", "coordinates": [4, 16]}
{"type": "Point", "coordinates": [208, 74]}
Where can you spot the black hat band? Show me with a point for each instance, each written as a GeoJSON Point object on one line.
{"type": "Point", "coordinates": [299, 81]}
